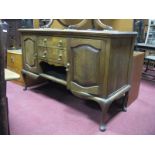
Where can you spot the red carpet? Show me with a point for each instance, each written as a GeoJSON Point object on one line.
{"type": "Point", "coordinates": [52, 110]}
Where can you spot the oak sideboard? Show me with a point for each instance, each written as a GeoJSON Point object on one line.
{"type": "Point", "coordinates": [92, 64]}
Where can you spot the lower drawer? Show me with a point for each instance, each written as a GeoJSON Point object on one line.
{"type": "Point", "coordinates": [52, 55]}
{"type": "Point", "coordinates": [55, 62]}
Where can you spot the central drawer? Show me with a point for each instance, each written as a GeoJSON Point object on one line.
{"type": "Point", "coordinates": [52, 50]}
{"type": "Point", "coordinates": [48, 41]}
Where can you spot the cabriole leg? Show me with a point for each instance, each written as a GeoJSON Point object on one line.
{"type": "Point", "coordinates": [25, 81]}
{"type": "Point", "coordinates": [104, 111]}
{"type": "Point", "coordinates": [125, 101]}
{"type": "Point", "coordinates": [147, 66]}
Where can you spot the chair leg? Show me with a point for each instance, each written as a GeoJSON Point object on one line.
{"type": "Point", "coordinates": [147, 66]}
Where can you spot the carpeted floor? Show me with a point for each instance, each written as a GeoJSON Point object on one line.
{"type": "Point", "coordinates": [53, 110]}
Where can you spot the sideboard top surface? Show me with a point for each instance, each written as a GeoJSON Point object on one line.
{"type": "Point", "coordinates": [97, 33]}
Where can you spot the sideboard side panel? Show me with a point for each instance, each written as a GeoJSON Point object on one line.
{"type": "Point", "coordinates": [119, 63]}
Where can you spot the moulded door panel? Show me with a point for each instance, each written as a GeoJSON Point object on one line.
{"type": "Point", "coordinates": [30, 53]}
{"type": "Point", "coordinates": [84, 59]}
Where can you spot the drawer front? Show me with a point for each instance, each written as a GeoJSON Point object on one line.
{"type": "Point", "coordinates": [59, 42]}
{"type": "Point", "coordinates": [52, 55]}
{"type": "Point", "coordinates": [44, 41]}
{"type": "Point", "coordinates": [48, 41]}
{"type": "Point", "coordinates": [52, 50]}
{"type": "Point", "coordinates": [58, 56]}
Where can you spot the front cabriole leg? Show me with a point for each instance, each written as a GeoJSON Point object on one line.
{"type": "Point", "coordinates": [102, 102]}
{"type": "Point", "coordinates": [104, 110]}
{"type": "Point", "coordinates": [105, 103]}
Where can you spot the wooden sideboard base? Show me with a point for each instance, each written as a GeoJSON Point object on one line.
{"type": "Point", "coordinates": [104, 103]}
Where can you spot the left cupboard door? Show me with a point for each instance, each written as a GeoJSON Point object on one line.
{"type": "Point", "coordinates": [29, 48]}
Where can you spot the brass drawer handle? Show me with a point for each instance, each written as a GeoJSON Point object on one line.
{"type": "Point", "coordinates": [44, 54]}
{"type": "Point", "coordinates": [60, 43]}
{"type": "Point", "coordinates": [67, 67]}
{"type": "Point", "coordinates": [45, 40]}
{"type": "Point", "coordinates": [59, 57]}
{"type": "Point", "coordinates": [60, 52]}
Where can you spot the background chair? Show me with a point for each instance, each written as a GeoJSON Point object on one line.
{"type": "Point", "coordinates": [149, 65]}
{"type": "Point", "coordinates": [150, 61]}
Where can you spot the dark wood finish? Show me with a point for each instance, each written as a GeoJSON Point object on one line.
{"type": "Point", "coordinates": [4, 122]}
{"type": "Point", "coordinates": [97, 63]}
{"type": "Point", "coordinates": [136, 72]}
{"type": "Point", "coordinates": [85, 74]}
{"type": "Point", "coordinates": [119, 63]}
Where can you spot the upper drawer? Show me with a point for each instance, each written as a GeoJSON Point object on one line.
{"type": "Point", "coordinates": [48, 41]}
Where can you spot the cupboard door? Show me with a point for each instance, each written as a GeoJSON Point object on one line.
{"type": "Point", "coordinates": [84, 62]}
{"type": "Point", "coordinates": [30, 53]}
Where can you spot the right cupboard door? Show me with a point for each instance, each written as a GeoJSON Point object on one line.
{"type": "Point", "coordinates": [86, 65]}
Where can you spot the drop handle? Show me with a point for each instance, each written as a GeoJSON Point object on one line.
{"type": "Point", "coordinates": [60, 57]}
{"type": "Point", "coordinates": [44, 54]}
{"type": "Point", "coordinates": [60, 43]}
{"type": "Point", "coordinates": [67, 67]}
{"type": "Point", "coordinates": [45, 40]}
